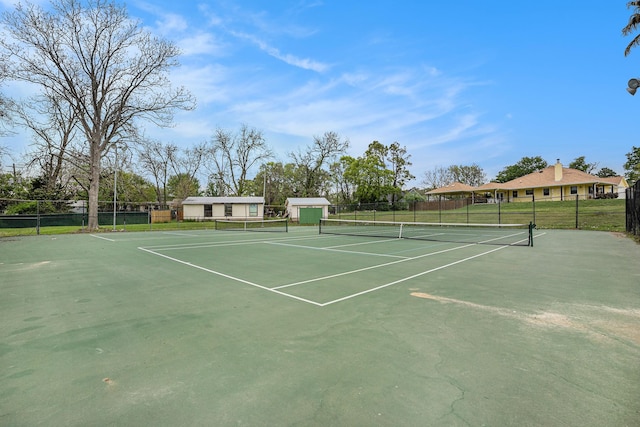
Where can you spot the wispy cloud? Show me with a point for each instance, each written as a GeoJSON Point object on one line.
{"type": "Point", "coordinates": [201, 44]}
{"type": "Point", "coordinates": [304, 63]}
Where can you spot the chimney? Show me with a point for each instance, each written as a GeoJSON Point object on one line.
{"type": "Point", "coordinates": [558, 170]}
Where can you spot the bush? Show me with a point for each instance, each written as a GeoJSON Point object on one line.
{"type": "Point", "coordinates": [606, 196]}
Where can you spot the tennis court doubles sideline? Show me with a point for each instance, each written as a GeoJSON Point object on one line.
{"type": "Point", "coordinates": [320, 269]}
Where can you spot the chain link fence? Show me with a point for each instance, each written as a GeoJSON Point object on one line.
{"type": "Point", "coordinates": [569, 213]}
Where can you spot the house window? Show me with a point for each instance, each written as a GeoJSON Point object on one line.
{"type": "Point", "coordinates": [253, 209]}
{"type": "Point", "coordinates": [208, 211]}
{"type": "Point", "coordinates": [529, 192]}
{"type": "Point", "coordinates": [574, 189]}
{"type": "Point", "coordinates": [228, 209]}
{"type": "Point", "coordinates": [515, 193]}
{"type": "Point", "coordinates": [545, 191]}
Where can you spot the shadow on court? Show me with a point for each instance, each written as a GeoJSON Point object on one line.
{"type": "Point", "coordinates": [297, 329]}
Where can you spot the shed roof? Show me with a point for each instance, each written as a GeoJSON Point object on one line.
{"type": "Point", "coordinates": [221, 200]}
{"type": "Point", "coordinates": [307, 201]}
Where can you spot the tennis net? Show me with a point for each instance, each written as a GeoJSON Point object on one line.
{"type": "Point", "coordinates": [490, 234]}
{"type": "Point", "coordinates": [276, 225]}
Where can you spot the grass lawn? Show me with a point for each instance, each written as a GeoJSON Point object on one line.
{"type": "Point", "coordinates": [600, 215]}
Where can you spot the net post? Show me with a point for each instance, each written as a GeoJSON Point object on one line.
{"type": "Point", "coordinates": [531, 227]}
{"type": "Point", "coordinates": [400, 235]}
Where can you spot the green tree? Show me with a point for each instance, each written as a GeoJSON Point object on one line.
{"type": "Point", "coordinates": [580, 164]}
{"type": "Point", "coordinates": [632, 26]}
{"type": "Point", "coordinates": [399, 159]}
{"type": "Point", "coordinates": [372, 181]}
{"type": "Point", "coordinates": [183, 185]}
{"type": "Point", "coordinates": [606, 173]}
{"type": "Point", "coordinates": [132, 188]}
{"type": "Point", "coordinates": [275, 181]}
{"type": "Point", "coordinates": [525, 166]}
{"type": "Point", "coordinates": [471, 175]}
{"type": "Point", "coordinates": [632, 165]}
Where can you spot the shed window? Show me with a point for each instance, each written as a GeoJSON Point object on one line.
{"type": "Point", "coordinates": [208, 211]}
{"type": "Point", "coordinates": [253, 209]}
{"type": "Point", "coordinates": [545, 191]}
{"type": "Point", "coordinates": [515, 193]}
{"type": "Point", "coordinates": [574, 189]}
{"type": "Point", "coordinates": [228, 209]}
{"type": "Point", "coordinates": [529, 192]}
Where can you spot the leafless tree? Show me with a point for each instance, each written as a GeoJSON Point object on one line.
{"type": "Point", "coordinates": [154, 157]}
{"type": "Point", "coordinates": [438, 177]}
{"type": "Point", "coordinates": [54, 131]}
{"type": "Point", "coordinates": [186, 164]}
{"type": "Point", "coordinates": [105, 66]}
{"type": "Point", "coordinates": [234, 155]}
{"type": "Point", "coordinates": [311, 162]}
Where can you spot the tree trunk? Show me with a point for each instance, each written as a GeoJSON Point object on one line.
{"type": "Point", "coordinates": [94, 185]}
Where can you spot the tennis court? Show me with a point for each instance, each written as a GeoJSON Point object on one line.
{"type": "Point", "coordinates": [212, 327]}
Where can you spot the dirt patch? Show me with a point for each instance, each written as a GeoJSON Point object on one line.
{"type": "Point", "coordinates": [599, 323]}
{"type": "Point", "coordinates": [553, 320]}
{"type": "Point", "coordinates": [425, 296]}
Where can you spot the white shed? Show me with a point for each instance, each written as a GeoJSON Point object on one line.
{"type": "Point", "coordinates": [307, 210]}
{"type": "Point", "coordinates": [210, 208]}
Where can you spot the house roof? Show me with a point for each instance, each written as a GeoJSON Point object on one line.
{"type": "Point", "coordinates": [547, 178]}
{"type": "Point", "coordinates": [221, 200]}
{"type": "Point", "coordinates": [620, 181]}
{"type": "Point", "coordinates": [456, 187]}
{"type": "Point", "coordinates": [543, 178]}
{"type": "Point", "coordinates": [307, 201]}
{"type": "Point", "coordinates": [492, 186]}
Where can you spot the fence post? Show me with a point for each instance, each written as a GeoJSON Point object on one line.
{"type": "Point", "coordinates": [38, 217]}
{"type": "Point", "coordinates": [467, 211]}
{"type": "Point", "coordinates": [577, 223]}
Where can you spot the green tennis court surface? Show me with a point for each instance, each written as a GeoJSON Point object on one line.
{"type": "Point", "coordinates": [301, 329]}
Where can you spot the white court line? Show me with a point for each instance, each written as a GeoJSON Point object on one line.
{"type": "Point", "coordinates": [317, 304]}
{"type": "Point", "coordinates": [237, 279]}
{"type": "Point", "coordinates": [179, 246]}
{"type": "Point", "coordinates": [359, 270]}
{"type": "Point", "coordinates": [405, 259]}
{"type": "Point", "coordinates": [100, 237]}
{"type": "Point", "coordinates": [410, 277]}
{"type": "Point", "coordinates": [175, 233]}
{"type": "Point", "coordinates": [330, 249]}
{"type": "Point", "coordinates": [387, 240]}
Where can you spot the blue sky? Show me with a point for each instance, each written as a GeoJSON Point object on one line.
{"type": "Point", "coordinates": [454, 82]}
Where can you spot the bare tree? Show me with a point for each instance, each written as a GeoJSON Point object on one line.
{"type": "Point", "coordinates": [234, 155]}
{"type": "Point", "coordinates": [154, 158]}
{"type": "Point", "coordinates": [438, 177]}
{"type": "Point", "coordinates": [310, 162]}
{"type": "Point", "coordinates": [105, 66]}
{"type": "Point", "coordinates": [54, 131]}
{"type": "Point", "coordinates": [185, 165]}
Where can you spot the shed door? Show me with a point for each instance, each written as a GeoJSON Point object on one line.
{"type": "Point", "coordinates": [310, 215]}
